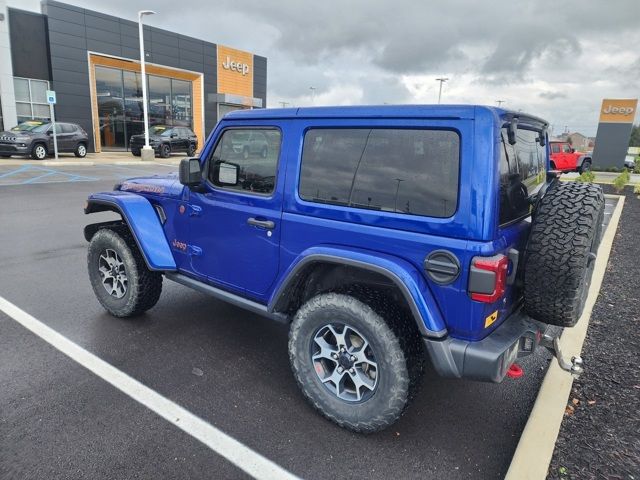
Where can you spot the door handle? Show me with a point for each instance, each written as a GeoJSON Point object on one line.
{"type": "Point", "coordinates": [268, 224]}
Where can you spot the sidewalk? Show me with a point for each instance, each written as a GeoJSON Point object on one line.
{"type": "Point", "coordinates": [104, 158]}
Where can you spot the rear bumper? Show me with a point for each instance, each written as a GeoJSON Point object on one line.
{"type": "Point", "coordinates": [490, 358]}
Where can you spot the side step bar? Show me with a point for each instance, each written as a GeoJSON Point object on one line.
{"type": "Point", "coordinates": [228, 297]}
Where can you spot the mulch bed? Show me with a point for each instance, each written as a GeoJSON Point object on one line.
{"type": "Point", "coordinates": [600, 433]}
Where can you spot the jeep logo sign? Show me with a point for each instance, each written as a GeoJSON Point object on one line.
{"type": "Point", "coordinates": [618, 110]}
{"type": "Point", "coordinates": [242, 68]}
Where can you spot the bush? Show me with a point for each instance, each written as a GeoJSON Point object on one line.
{"type": "Point", "coordinates": [586, 177]}
{"type": "Point", "coordinates": [637, 189]}
{"type": "Point", "coordinates": [636, 169]}
{"type": "Point", "coordinates": [621, 180]}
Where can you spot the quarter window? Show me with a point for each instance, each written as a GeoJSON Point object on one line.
{"type": "Point", "coordinates": [254, 152]}
{"type": "Point", "coordinates": [522, 171]}
{"type": "Point", "coordinates": [410, 171]}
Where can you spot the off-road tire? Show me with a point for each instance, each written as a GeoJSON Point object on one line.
{"type": "Point", "coordinates": [36, 151]}
{"type": "Point", "coordinates": [144, 286]}
{"type": "Point", "coordinates": [560, 253]}
{"type": "Point", "coordinates": [398, 372]}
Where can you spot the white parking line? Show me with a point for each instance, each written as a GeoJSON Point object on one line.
{"type": "Point", "coordinates": [235, 452]}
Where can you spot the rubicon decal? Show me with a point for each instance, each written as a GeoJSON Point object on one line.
{"type": "Point", "coordinates": [141, 187]}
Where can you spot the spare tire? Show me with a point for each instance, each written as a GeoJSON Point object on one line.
{"type": "Point", "coordinates": [560, 253]}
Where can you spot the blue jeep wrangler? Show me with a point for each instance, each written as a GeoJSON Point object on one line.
{"type": "Point", "coordinates": [384, 236]}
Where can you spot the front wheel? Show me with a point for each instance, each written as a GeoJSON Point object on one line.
{"type": "Point", "coordinates": [349, 363]}
{"type": "Point", "coordinates": [585, 167]}
{"type": "Point", "coordinates": [39, 152]}
{"type": "Point", "coordinates": [165, 151]}
{"type": "Point", "coordinates": [191, 150]}
{"type": "Point", "coordinates": [123, 284]}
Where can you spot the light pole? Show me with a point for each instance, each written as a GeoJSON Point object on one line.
{"type": "Point", "coordinates": [147, 151]}
{"type": "Point", "coordinates": [441, 80]}
{"type": "Point", "coordinates": [313, 94]}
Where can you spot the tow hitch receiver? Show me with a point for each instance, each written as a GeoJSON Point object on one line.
{"type": "Point", "coordinates": [575, 367]}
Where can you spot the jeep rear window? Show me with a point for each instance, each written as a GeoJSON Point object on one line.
{"type": "Point", "coordinates": [522, 172]}
{"type": "Point", "coordinates": [410, 171]}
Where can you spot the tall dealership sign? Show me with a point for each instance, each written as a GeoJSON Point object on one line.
{"type": "Point", "coordinates": [614, 130]}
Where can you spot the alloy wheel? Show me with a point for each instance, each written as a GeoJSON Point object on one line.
{"type": "Point", "coordinates": [344, 362]}
{"type": "Point", "coordinates": [41, 152]}
{"type": "Point", "coordinates": [113, 273]}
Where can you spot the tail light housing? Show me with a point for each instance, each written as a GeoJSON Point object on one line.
{"type": "Point", "coordinates": [488, 278]}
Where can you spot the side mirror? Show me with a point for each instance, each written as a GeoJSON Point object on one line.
{"type": "Point", "coordinates": [190, 174]}
{"type": "Point", "coordinates": [226, 174]}
{"type": "Point", "coordinates": [512, 130]}
{"type": "Point", "coordinates": [573, 150]}
{"type": "Point", "coordinates": [174, 135]}
{"type": "Point", "coordinates": [50, 131]}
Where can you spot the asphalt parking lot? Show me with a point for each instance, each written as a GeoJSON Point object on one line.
{"type": "Point", "coordinates": [226, 366]}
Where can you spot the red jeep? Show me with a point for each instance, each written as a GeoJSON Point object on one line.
{"type": "Point", "coordinates": [566, 159]}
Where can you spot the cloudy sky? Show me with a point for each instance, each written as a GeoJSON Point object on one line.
{"type": "Point", "coordinates": [554, 59]}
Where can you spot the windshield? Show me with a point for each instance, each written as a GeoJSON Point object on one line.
{"type": "Point", "coordinates": [31, 127]}
{"type": "Point", "coordinates": [158, 130]}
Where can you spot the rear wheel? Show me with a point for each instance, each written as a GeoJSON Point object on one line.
{"type": "Point", "coordinates": [135, 152]}
{"type": "Point", "coordinates": [81, 150]}
{"type": "Point", "coordinates": [561, 252]}
{"type": "Point", "coordinates": [349, 363]}
{"type": "Point", "coordinates": [585, 167]}
{"type": "Point", "coordinates": [39, 151]}
{"type": "Point", "coordinates": [123, 284]}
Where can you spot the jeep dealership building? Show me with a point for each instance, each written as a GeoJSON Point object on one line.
{"type": "Point", "coordinates": [91, 60]}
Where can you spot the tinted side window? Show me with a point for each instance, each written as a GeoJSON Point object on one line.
{"type": "Point", "coordinates": [555, 148]}
{"type": "Point", "coordinates": [522, 171]}
{"type": "Point", "coordinates": [68, 128]}
{"type": "Point", "coordinates": [396, 170]}
{"type": "Point", "coordinates": [256, 167]}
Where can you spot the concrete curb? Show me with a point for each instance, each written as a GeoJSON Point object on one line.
{"type": "Point", "coordinates": [535, 448]}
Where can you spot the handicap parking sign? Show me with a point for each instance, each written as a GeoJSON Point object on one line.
{"type": "Point", "coordinates": [51, 97]}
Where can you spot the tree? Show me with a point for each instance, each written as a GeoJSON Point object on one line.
{"type": "Point", "coordinates": [634, 141]}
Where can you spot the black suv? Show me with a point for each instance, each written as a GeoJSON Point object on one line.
{"type": "Point", "coordinates": [35, 138]}
{"type": "Point", "coordinates": [166, 139]}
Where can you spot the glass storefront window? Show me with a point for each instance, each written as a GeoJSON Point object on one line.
{"type": "Point", "coordinates": [21, 87]}
{"type": "Point", "coordinates": [110, 107]}
{"type": "Point", "coordinates": [119, 95]}
{"type": "Point", "coordinates": [134, 116]}
{"type": "Point", "coordinates": [159, 100]}
{"type": "Point", "coordinates": [31, 99]}
{"type": "Point", "coordinates": [181, 102]}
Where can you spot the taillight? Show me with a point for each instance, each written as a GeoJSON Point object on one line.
{"type": "Point", "coordinates": [488, 278]}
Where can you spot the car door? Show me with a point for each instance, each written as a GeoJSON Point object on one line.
{"type": "Point", "coordinates": [184, 137]}
{"type": "Point", "coordinates": [235, 227]}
